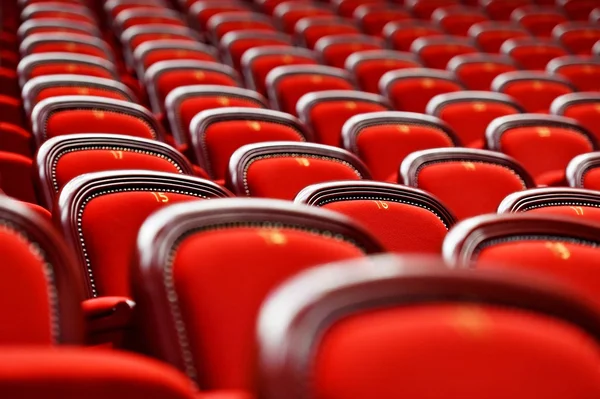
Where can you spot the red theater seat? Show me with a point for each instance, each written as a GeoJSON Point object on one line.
{"type": "Point", "coordinates": [164, 76]}
{"type": "Point", "coordinates": [578, 10]}
{"type": "Point", "coordinates": [183, 103]}
{"type": "Point", "coordinates": [11, 110]}
{"type": "Point", "coordinates": [236, 21]}
{"type": "Point", "coordinates": [435, 52]}
{"type": "Point", "coordinates": [544, 144]}
{"type": "Point", "coordinates": [456, 20]}
{"type": "Point", "coordinates": [373, 17]}
{"type": "Point", "coordinates": [9, 83]}
{"type": "Point", "coordinates": [582, 71]}
{"type": "Point", "coordinates": [489, 36]}
{"type": "Point", "coordinates": [234, 44]}
{"type": "Point", "coordinates": [382, 313]}
{"type": "Point", "coordinates": [325, 112]}
{"type": "Point", "coordinates": [309, 30]}
{"type": "Point", "coordinates": [561, 247]}
{"type": "Point", "coordinates": [573, 202]}
{"type": "Point", "coordinates": [403, 219]}
{"type": "Point", "coordinates": [583, 171]}
{"type": "Point", "coordinates": [40, 43]}
{"type": "Point", "coordinates": [57, 116]}
{"type": "Point", "coordinates": [258, 62]}
{"type": "Point", "coordinates": [411, 89]}
{"type": "Point", "coordinates": [477, 71]}
{"type": "Point", "coordinates": [281, 169]}
{"type": "Point", "coordinates": [539, 21]}
{"type": "Point", "coordinates": [202, 11]}
{"type": "Point", "coordinates": [469, 182]}
{"type": "Point", "coordinates": [346, 8]}
{"type": "Point", "coordinates": [401, 34]}
{"type": "Point", "coordinates": [502, 9]}
{"type": "Point", "coordinates": [216, 307]}
{"type": "Point", "coordinates": [48, 86]}
{"type": "Point", "coordinates": [470, 112]}
{"type": "Point", "coordinates": [532, 53]}
{"type": "Point", "coordinates": [68, 12]}
{"type": "Point", "coordinates": [424, 9]}
{"type": "Point", "coordinates": [289, 13]}
{"type": "Point", "coordinates": [216, 134]}
{"type": "Point", "coordinates": [15, 139]}
{"type": "Point", "coordinates": [583, 107]}
{"type": "Point", "coordinates": [41, 288]}
{"type": "Point", "coordinates": [113, 8]}
{"type": "Point", "coordinates": [16, 173]}
{"type": "Point", "coordinates": [146, 16]}
{"type": "Point", "coordinates": [286, 84]}
{"type": "Point", "coordinates": [578, 38]}
{"type": "Point", "coordinates": [335, 49]}
{"type": "Point", "coordinates": [534, 91]}
{"type": "Point", "coordinates": [383, 139]}
{"type": "Point", "coordinates": [56, 25]}
{"type": "Point", "coordinates": [63, 158]}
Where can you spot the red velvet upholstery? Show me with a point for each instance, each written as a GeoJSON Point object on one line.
{"type": "Point", "coordinates": [583, 172]}
{"type": "Point", "coordinates": [456, 20]}
{"type": "Point", "coordinates": [71, 90]}
{"type": "Point", "coordinates": [286, 84]}
{"type": "Point", "coordinates": [282, 169]}
{"type": "Point", "coordinates": [470, 113]}
{"type": "Point", "coordinates": [326, 112]}
{"type": "Point", "coordinates": [501, 9]}
{"type": "Point", "coordinates": [145, 37]}
{"type": "Point", "coordinates": [591, 179]}
{"type": "Point", "coordinates": [578, 38]}
{"type": "Point", "coordinates": [582, 72]}
{"type": "Point", "coordinates": [16, 173]}
{"type": "Point", "coordinates": [477, 71]}
{"type": "Point", "coordinates": [490, 36]}
{"type": "Point", "coordinates": [70, 14]}
{"type": "Point", "coordinates": [346, 8]}
{"type": "Point", "coordinates": [288, 15]}
{"type": "Point", "coordinates": [373, 17]}
{"type": "Point", "coordinates": [435, 52]}
{"type": "Point", "coordinates": [578, 9]}
{"type": "Point", "coordinates": [216, 307]}
{"type": "Point", "coordinates": [424, 8]}
{"type": "Point", "coordinates": [73, 121]}
{"type": "Point", "coordinates": [401, 35]}
{"type": "Point", "coordinates": [39, 43]}
{"type": "Point", "coordinates": [539, 21]}
{"type": "Point", "coordinates": [369, 66]}
{"type": "Point", "coordinates": [411, 89]}
{"type": "Point", "coordinates": [147, 16]}
{"type": "Point", "coordinates": [532, 53]}
{"type": "Point", "coordinates": [8, 83]}
{"type": "Point", "coordinates": [222, 24]}
{"type": "Point", "coordinates": [235, 44]}
{"type": "Point", "coordinates": [174, 53]}
{"type": "Point", "coordinates": [201, 13]}
{"type": "Point", "coordinates": [15, 139]}
{"type": "Point", "coordinates": [334, 50]}
{"type": "Point", "coordinates": [533, 91]}
{"type": "Point", "coordinates": [468, 182]}
{"type": "Point", "coordinates": [123, 6]}
{"type": "Point", "coordinates": [311, 29]}
{"type": "Point", "coordinates": [11, 110]}
{"type": "Point", "coordinates": [59, 25]}
{"type": "Point", "coordinates": [59, 64]}
{"type": "Point", "coordinates": [583, 107]}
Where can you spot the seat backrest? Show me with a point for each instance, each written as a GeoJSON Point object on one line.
{"type": "Point", "coordinates": [401, 316]}
{"type": "Point", "coordinates": [436, 51]}
{"type": "Point", "coordinates": [578, 10]}
{"type": "Point", "coordinates": [583, 107]}
{"type": "Point", "coordinates": [400, 35]}
{"type": "Point", "coordinates": [113, 8]}
{"type": "Point", "coordinates": [309, 30]}
{"type": "Point", "coordinates": [373, 17]}
{"type": "Point", "coordinates": [469, 182]}
{"type": "Point", "coordinates": [216, 134]}
{"type": "Point", "coordinates": [234, 44]}
{"type": "Point", "coordinates": [582, 71]}
{"type": "Point", "coordinates": [281, 169]}
{"type": "Point", "coordinates": [562, 247]}
{"type": "Point", "coordinates": [543, 144]}
{"type": "Point", "coordinates": [456, 20]}
{"type": "Point", "coordinates": [535, 91]}
{"type": "Point", "coordinates": [577, 37]}
{"type": "Point", "coordinates": [62, 158]}
{"type": "Point", "coordinates": [501, 10]}
{"type": "Point", "coordinates": [423, 9]}
{"type": "Point", "coordinates": [183, 103]}
{"type": "Point", "coordinates": [582, 171]}
{"type": "Point", "coordinates": [489, 36]}
{"type": "Point", "coordinates": [39, 43]}
{"type": "Point", "coordinates": [200, 316]}
{"type": "Point", "coordinates": [41, 287]}
{"type": "Point", "coordinates": [52, 25]}
{"type": "Point", "coordinates": [144, 16]}
{"type": "Point", "coordinates": [164, 76]}
{"type": "Point", "coordinates": [333, 50]}
{"type": "Point", "coordinates": [574, 202]}
{"type": "Point", "coordinates": [101, 213]}
{"type": "Point", "coordinates": [470, 112]}
{"type": "Point", "coordinates": [57, 116]}
{"type": "Point", "coordinates": [201, 12]}
{"type": "Point", "coordinates": [476, 71]}
{"type": "Point", "coordinates": [411, 89]}
{"type": "Point", "coordinates": [42, 87]}
{"type": "Point", "coordinates": [383, 139]}
{"type": "Point", "coordinates": [286, 15]}
{"type": "Point", "coordinates": [235, 21]}
{"type": "Point", "coordinates": [532, 53]}
{"type": "Point", "coordinates": [69, 12]}
{"type": "Point", "coordinates": [538, 20]}
{"type": "Point", "coordinates": [403, 219]}
{"type": "Point", "coordinates": [325, 112]}
{"type": "Point", "coordinates": [286, 84]}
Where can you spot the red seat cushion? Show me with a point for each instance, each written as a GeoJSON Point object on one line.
{"type": "Point", "coordinates": [413, 94]}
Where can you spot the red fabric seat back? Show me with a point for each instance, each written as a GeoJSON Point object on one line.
{"type": "Point", "coordinates": [65, 43]}
{"type": "Point", "coordinates": [212, 338]}
{"type": "Point", "coordinates": [202, 11]}
{"type": "Point", "coordinates": [401, 35]}
{"type": "Point", "coordinates": [105, 245]}
{"type": "Point", "coordinates": [346, 8]}
{"type": "Point", "coordinates": [539, 21]}
{"type": "Point", "coordinates": [309, 30]}
{"type": "Point", "coordinates": [16, 173]}
{"type": "Point", "coordinates": [373, 17]}
{"type": "Point", "coordinates": [582, 72]}
{"type": "Point", "coordinates": [221, 24]}
{"type": "Point", "coordinates": [436, 52]}
{"type": "Point", "coordinates": [490, 36]}
{"type": "Point", "coordinates": [578, 38]}
{"type": "Point", "coordinates": [532, 53]}
{"type": "Point", "coordinates": [281, 169]}
{"type": "Point", "coordinates": [457, 20]}
{"type": "Point", "coordinates": [478, 71]}
{"type": "Point", "coordinates": [423, 9]}
{"type": "Point", "coordinates": [148, 54]}
{"type": "Point", "coordinates": [583, 107]}
{"type": "Point", "coordinates": [583, 171]}
{"type": "Point", "coordinates": [334, 50]}
{"type": "Point", "coordinates": [469, 182]}
{"type": "Point", "coordinates": [288, 15]}
{"type": "Point", "coordinates": [15, 139]}
{"type": "Point", "coordinates": [501, 10]}
{"type": "Point", "coordinates": [578, 10]}
{"type": "Point", "coordinates": [69, 12]}
{"type": "Point", "coordinates": [235, 44]}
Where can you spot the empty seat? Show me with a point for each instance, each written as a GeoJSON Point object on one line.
{"type": "Point", "coordinates": [383, 139]}
{"type": "Point", "coordinates": [578, 38]}
{"type": "Point", "coordinates": [400, 35]}
{"type": "Point", "coordinates": [456, 20]}
{"type": "Point", "coordinates": [423, 9]}
{"type": "Point", "coordinates": [346, 8]}
{"type": "Point", "coordinates": [16, 172]}
{"type": "Point", "coordinates": [69, 12]}
{"type": "Point", "coordinates": [582, 71]}
{"type": "Point", "coordinates": [470, 112]}
{"type": "Point", "coordinates": [583, 107]}
{"type": "Point", "coordinates": [583, 171]}
{"type": "Point", "coordinates": [502, 9]}
{"type": "Point", "coordinates": [57, 116]}
{"type": "Point", "coordinates": [54, 25]}
{"type": "Point", "coordinates": [382, 313]}
{"type": "Point", "coordinates": [183, 103]}
{"type": "Point", "coordinates": [539, 21]}
{"type": "Point", "coordinates": [234, 44]}
{"type": "Point", "coordinates": [403, 219]}
{"type": "Point", "coordinates": [573, 202]}
{"type": "Point", "coordinates": [268, 6]}
{"type": "Point", "coordinates": [578, 10]}
{"type": "Point", "coordinates": [9, 82]}
{"type": "Point", "coordinates": [490, 36]}
{"type": "Point", "coordinates": [15, 139]}
{"type": "Point", "coordinates": [286, 84]}
{"type": "Point", "coordinates": [370, 65]}
{"type": "Point", "coordinates": [373, 17]}
{"type": "Point", "coordinates": [411, 89]}
{"type": "Point", "coordinates": [11, 110]}
{"type": "Point", "coordinates": [435, 52]}
{"type": "Point", "coordinates": [469, 182]}
{"type": "Point", "coordinates": [164, 76]}
{"type": "Point", "coordinates": [534, 91]}
{"type": "Point", "coordinates": [335, 49]}
{"type": "Point", "coordinates": [61, 159]}
{"type": "Point", "coordinates": [42, 87]}
{"type": "Point", "coordinates": [145, 16]}
{"type": "Point", "coordinates": [543, 144]}
{"type": "Point", "coordinates": [325, 112]}
{"type": "Point", "coordinates": [288, 14]}
{"type": "Point", "coordinates": [258, 62]}
{"type": "Point", "coordinates": [309, 30]}
{"type": "Point", "coordinates": [477, 71]}
{"type": "Point", "coordinates": [532, 53]}
{"type": "Point", "coordinates": [35, 65]}
{"type": "Point", "coordinates": [281, 169]}
{"type": "Point", "coordinates": [271, 240]}
{"type": "Point", "coordinates": [561, 247]}
{"type": "Point", "coordinates": [200, 12]}
{"type": "Point", "coordinates": [216, 134]}
{"type": "Point", "coordinates": [221, 24]}
{"type": "Point", "coordinates": [112, 8]}
{"type": "Point", "coordinates": [40, 43]}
